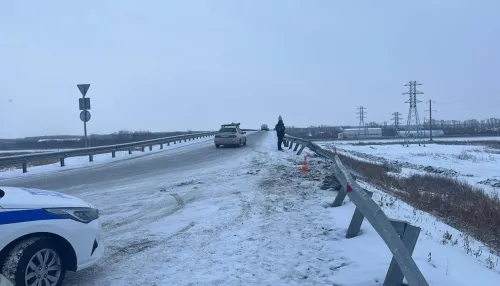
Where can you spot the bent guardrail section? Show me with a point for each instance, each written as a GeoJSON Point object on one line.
{"type": "Point", "coordinates": [61, 155]}
{"type": "Point", "coordinates": [399, 236]}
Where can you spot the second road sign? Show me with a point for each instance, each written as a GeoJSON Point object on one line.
{"type": "Point", "coordinates": [85, 116]}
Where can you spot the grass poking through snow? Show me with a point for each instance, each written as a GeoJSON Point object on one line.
{"type": "Point", "coordinates": [459, 204]}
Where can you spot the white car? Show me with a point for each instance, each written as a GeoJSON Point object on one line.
{"type": "Point", "coordinates": [230, 135]}
{"type": "Point", "coordinates": [43, 234]}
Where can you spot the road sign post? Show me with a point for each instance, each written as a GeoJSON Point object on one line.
{"type": "Point", "coordinates": [84, 104]}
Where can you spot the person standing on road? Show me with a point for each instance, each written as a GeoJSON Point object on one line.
{"type": "Point", "coordinates": [280, 131]}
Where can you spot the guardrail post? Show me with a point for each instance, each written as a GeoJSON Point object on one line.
{"type": "Point", "coordinates": [143, 149]}
{"type": "Point", "coordinates": [91, 158]}
{"type": "Point", "coordinates": [296, 147]}
{"type": "Point", "coordinates": [290, 145]}
{"type": "Point", "coordinates": [150, 147]}
{"type": "Point", "coordinates": [175, 141]}
{"type": "Point", "coordinates": [129, 151]}
{"type": "Point", "coordinates": [301, 149]}
{"type": "Point", "coordinates": [61, 160]}
{"type": "Point", "coordinates": [161, 146]}
{"type": "Point", "coordinates": [113, 154]}
{"type": "Point", "coordinates": [168, 143]}
{"type": "Point", "coordinates": [25, 167]}
{"type": "Point", "coordinates": [339, 199]}
{"type": "Point", "coordinates": [409, 235]}
{"type": "Point", "coordinates": [357, 220]}
{"type": "Point", "coordinates": [184, 140]}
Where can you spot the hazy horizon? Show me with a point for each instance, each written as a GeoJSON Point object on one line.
{"type": "Point", "coordinates": [193, 65]}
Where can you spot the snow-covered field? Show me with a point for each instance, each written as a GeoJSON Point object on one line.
{"type": "Point", "coordinates": [78, 162]}
{"type": "Point", "coordinates": [259, 221]}
{"type": "Point", "coordinates": [476, 164]}
{"type": "Point", "coordinates": [366, 141]}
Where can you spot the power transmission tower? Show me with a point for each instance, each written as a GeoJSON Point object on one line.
{"type": "Point", "coordinates": [430, 118]}
{"type": "Point", "coordinates": [362, 117]}
{"type": "Point", "coordinates": [396, 120]}
{"type": "Point", "coordinates": [413, 133]}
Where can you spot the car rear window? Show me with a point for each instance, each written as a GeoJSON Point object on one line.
{"type": "Point", "coordinates": [228, 130]}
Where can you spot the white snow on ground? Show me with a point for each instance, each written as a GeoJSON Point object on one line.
{"type": "Point", "coordinates": [256, 220]}
{"type": "Point", "coordinates": [83, 161]}
{"type": "Point", "coordinates": [474, 163]}
{"type": "Point", "coordinates": [392, 140]}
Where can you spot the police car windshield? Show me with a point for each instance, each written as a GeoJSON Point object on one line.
{"type": "Point", "coordinates": [233, 130]}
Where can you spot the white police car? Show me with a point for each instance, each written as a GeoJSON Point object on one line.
{"type": "Point", "coordinates": [45, 233]}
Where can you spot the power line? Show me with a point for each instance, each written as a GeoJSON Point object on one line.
{"type": "Point", "coordinates": [413, 129]}
{"type": "Point", "coordinates": [361, 117]}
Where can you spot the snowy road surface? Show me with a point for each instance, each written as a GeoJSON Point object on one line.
{"type": "Point", "coordinates": [146, 166]}
{"type": "Point", "coordinates": [247, 216]}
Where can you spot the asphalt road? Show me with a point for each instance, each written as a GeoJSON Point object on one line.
{"type": "Point", "coordinates": [176, 160]}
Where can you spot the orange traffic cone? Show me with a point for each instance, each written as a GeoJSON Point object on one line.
{"type": "Point", "coordinates": [304, 168]}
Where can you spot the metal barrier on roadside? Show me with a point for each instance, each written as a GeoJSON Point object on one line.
{"type": "Point", "coordinates": [62, 155]}
{"type": "Point", "coordinates": [399, 236]}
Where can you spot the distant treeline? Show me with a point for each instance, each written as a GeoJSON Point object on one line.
{"type": "Point", "coordinates": [65, 142]}
{"type": "Point", "coordinates": [451, 128]}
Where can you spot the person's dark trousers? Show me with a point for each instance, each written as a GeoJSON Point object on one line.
{"type": "Point", "coordinates": [280, 141]}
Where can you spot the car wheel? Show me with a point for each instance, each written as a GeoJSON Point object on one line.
{"type": "Point", "coordinates": [217, 145]}
{"type": "Point", "coordinates": [35, 261]}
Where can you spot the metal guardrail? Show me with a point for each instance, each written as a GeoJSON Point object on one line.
{"type": "Point", "coordinates": [61, 155]}
{"type": "Point", "coordinates": [399, 236]}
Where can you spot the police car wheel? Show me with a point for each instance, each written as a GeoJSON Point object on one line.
{"type": "Point", "coordinates": [32, 260]}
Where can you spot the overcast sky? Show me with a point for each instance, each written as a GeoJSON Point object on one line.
{"type": "Point", "coordinates": [175, 65]}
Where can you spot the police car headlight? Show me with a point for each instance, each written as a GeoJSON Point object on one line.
{"type": "Point", "coordinates": [84, 215]}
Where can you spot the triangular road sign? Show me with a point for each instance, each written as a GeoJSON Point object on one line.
{"type": "Point", "coordinates": [83, 88]}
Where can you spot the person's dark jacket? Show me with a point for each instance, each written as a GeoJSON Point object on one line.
{"type": "Point", "coordinates": [280, 128]}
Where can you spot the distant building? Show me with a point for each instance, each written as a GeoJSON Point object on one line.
{"type": "Point", "coordinates": [359, 133]}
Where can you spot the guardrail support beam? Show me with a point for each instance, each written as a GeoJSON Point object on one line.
{"type": "Point", "coordinates": [161, 146]}
{"type": "Point", "coordinates": [409, 235]}
{"type": "Point", "coordinates": [356, 221]}
{"type": "Point", "coordinates": [143, 149]}
{"type": "Point", "coordinates": [25, 167]}
{"type": "Point", "coordinates": [129, 151]}
{"type": "Point", "coordinates": [296, 146]}
{"type": "Point", "coordinates": [61, 160]}
{"type": "Point", "coordinates": [150, 147]}
{"type": "Point", "coordinates": [91, 158]}
{"type": "Point", "coordinates": [113, 154]}
{"type": "Point", "coordinates": [290, 145]}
